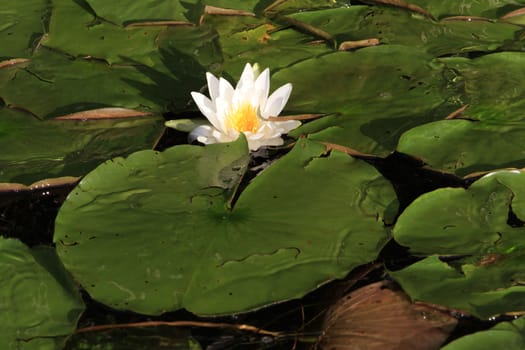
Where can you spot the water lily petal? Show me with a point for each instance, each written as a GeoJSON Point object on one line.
{"type": "Point", "coordinates": [228, 137]}
{"type": "Point", "coordinates": [277, 101]}
{"type": "Point", "coordinates": [203, 134]}
{"type": "Point", "coordinates": [285, 126]}
{"type": "Point", "coordinates": [245, 93]}
{"type": "Point", "coordinates": [261, 89]}
{"type": "Point", "coordinates": [255, 144]}
{"type": "Point", "coordinates": [206, 107]}
{"type": "Point", "coordinates": [207, 134]}
{"type": "Point", "coordinates": [222, 104]}
{"type": "Point", "coordinates": [213, 85]}
{"type": "Point", "coordinates": [225, 89]}
{"type": "Point", "coordinates": [247, 76]}
{"type": "Point", "coordinates": [276, 141]}
{"type": "Point", "coordinates": [230, 110]}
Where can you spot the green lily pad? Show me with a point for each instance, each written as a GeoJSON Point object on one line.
{"type": "Point", "coordinates": [33, 149]}
{"type": "Point", "coordinates": [129, 11]}
{"type": "Point", "coordinates": [484, 286]}
{"type": "Point", "coordinates": [99, 39]}
{"type": "Point", "coordinates": [457, 221]}
{"type": "Point", "coordinates": [507, 335]}
{"type": "Point", "coordinates": [463, 146]}
{"type": "Point", "coordinates": [375, 93]}
{"type": "Point", "coordinates": [395, 26]}
{"type": "Point", "coordinates": [78, 85]}
{"type": "Point", "coordinates": [40, 303]}
{"type": "Point", "coordinates": [252, 39]}
{"type": "Point", "coordinates": [481, 226]}
{"type": "Point", "coordinates": [492, 85]}
{"type": "Point", "coordinates": [484, 8]}
{"type": "Point", "coordinates": [158, 231]}
{"type": "Point", "coordinates": [23, 24]}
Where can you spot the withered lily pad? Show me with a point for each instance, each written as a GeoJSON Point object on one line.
{"type": "Point", "coordinates": [379, 316]}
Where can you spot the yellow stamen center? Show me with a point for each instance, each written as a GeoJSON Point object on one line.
{"type": "Point", "coordinates": [244, 118]}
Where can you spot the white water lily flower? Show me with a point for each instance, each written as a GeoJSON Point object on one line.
{"type": "Point", "coordinates": [245, 109]}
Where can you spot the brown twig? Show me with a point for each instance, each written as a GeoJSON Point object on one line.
{"type": "Point", "coordinates": [350, 151]}
{"type": "Point", "coordinates": [457, 113]}
{"type": "Point", "coordinates": [240, 327]}
{"type": "Point", "coordinates": [356, 44]}
{"type": "Point", "coordinates": [308, 28]}
{"type": "Point", "coordinates": [466, 19]}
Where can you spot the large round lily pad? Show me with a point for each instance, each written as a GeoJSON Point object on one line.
{"type": "Point", "coordinates": [39, 303]}
{"type": "Point", "coordinates": [158, 231]}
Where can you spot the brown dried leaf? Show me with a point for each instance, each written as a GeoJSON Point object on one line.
{"type": "Point", "coordinates": [467, 19]}
{"type": "Point", "coordinates": [457, 113]}
{"type": "Point", "coordinates": [405, 5]}
{"type": "Point", "coordinates": [13, 62]}
{"type": "Point", "coordinates": [308, 28]}
{"type": "Point", "coordinates": [296, 117]}
{"type": "Point", "coordinates": [160, 24]}
{"type": "Point", "coordinates": [515, 13]}
{"type": "Point", "coordinates": [212, 10]}
{"type": "Point", "coordinates": [350, 151]}
{"type": "Point", "coordinates": [54, 182]}
{"type": "Point", "coordinates": [39, 185]}
{"type": "Point", "coordinates": [356, 44]}
{"type": "Point", "coordinates": [273, 5]}
{"type": "Point", "coordinates": [378, 316]}
{"type": "Point", "coordinates": [104, 113]}
{"type": "Point", "coordinates": [12, 187]}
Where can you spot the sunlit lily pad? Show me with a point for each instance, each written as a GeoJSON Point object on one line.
{"type": "Point", "coordinates": [482, 228]}
{"type": "Point", "coordinates": [155, 232]}
{"type": "Point", "coordinates": [40, 305]}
